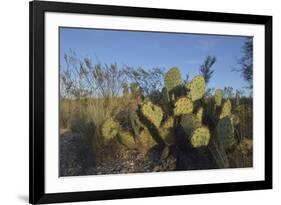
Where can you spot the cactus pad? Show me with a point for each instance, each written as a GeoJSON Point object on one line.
{"type": "Point", "coordinates": [218, 97]}
{"type": "Point", "coordinates": [234, 119]}
{"type": "Point", "coordinates": [166, 130]}
{"type": "Point", "coordinates": [169, 123]}
{"type": "Point", "coordinates": [199, 114]}
{"type": "Point", "coordinates": [196, 88]}
{"type": "Point", "coordinates": [165, 95]}
{"type": "Point", "coordinates": [109, 129]}
{"type": "Point", "coordinates": [200, 137]}
{"type": "Point", "coordinates": [172, 78]}
{"type": "Point", "coordinates": [245, 145]}
{"type": "Point", "coordinates": [167, 135]}
{"type": "Point", "coordinates": [226, 109]}
{"type": "Point", "coordinates": [189, 123]}
{"type": "Point", "coordinates": [152, 112]}
{"type": "Point", "coordinates": [126, 138]}
{"type": "Point", "coordinates": [146, 141]}
{"type": "Point", "coordinates": [225, 132]}
{"type": "Point", "coordinates": [183, 106]}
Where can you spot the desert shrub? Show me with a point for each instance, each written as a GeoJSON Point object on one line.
{"type": "Point", "coordinates": [65, 114]}
{"type": "Point", "coordinates": [86, 116]}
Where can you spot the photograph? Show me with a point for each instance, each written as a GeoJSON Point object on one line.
{"type": "Point", "coordinates": [148, 101]}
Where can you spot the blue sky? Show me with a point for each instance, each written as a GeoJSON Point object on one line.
{"type": "Point", "coordinates": [154, 49]}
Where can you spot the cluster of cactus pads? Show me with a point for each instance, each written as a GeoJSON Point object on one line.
{"type": "Point", "coordinates": [182, 107]}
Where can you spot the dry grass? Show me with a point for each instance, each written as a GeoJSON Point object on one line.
{"type": "Point", "coordinates": [86, 116]}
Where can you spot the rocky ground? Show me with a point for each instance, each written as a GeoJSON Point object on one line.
{"type": "Point", "coordinates": [77, 158]}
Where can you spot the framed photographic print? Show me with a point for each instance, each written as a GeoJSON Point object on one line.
{"type": "Point", "coordinates": [140, 102]}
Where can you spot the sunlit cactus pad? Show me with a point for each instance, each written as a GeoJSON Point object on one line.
{"type": "Point", "coordinates": [196, 88]}
{"type": "Point", "coordinates": [172, 78]}
{"type": "Point", "coordinates": [146, 140]}
{"type": "Point", "coordinates": [183, 105]}
{"type": "Point", "coordinates": [109, 129]}
{"type": "Point", "coordinates": [226, 109]}
{"type": "Point", "coordinates": [200, 137]}
{"type": "Point", "coordinates": [126, 138]}
{"type": "Point", "coordinates": [218, 97]}
{"type": "Point", "coordinates": [152, 112]}
{"type": "Point", "coordinates": [225, 131]}
{"type": "Point", "coordinates": [169, 123]}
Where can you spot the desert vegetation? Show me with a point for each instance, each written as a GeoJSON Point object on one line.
{"type": "Point", "coordinates": [148, 120]}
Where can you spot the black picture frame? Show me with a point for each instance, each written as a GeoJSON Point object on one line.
{"type": "Point", "coordinates": [37, 10]}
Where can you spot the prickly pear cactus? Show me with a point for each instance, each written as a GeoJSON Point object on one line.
{"type": "Point", "coordinates": [146, 141]}
{"type": "Point", "coordinates": [126, 138]}
{"type": "Point", "coordinates": [225, 132]}
{"type": "Point", "coordinates": [218, 97]}
{"type": "Point", "coordinates": [152, 112]}
{"type": "Point", "coordinates": [167, 135]}
{"type": "Point", "coordinates": [109, 129]}
{"type": "Point", "coordinates": [218, 153]}
{"type": "Point", "coordinates": [166, 130]}
{"type": "Point", "coordinates": [199, 114]}
{"type": "Point", "coordinates": [234, 119]}
{"type": "Point", "coordinates": [169, 123]}
{"type": "Point", "coordinates": [189, 123]}
{"type": "Point", "coordinates": [165, 101]}
{"type": "Point", "coordinates": [165, 95]}
{"type": "Point", "coordinates": [200, 137]}
{"type": "Point", "coordinates": [245, 145]}
{"type": "Point", "coordinates": [134, 120]}
{"type": "Point", "coordinates": [183, 106]}
{"type": "Point", "coordinates": [196, 88]}
{"type": "Point", "coordinates": [172, 78]}
{"type": "Point", "coordinates": [226, 109]}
